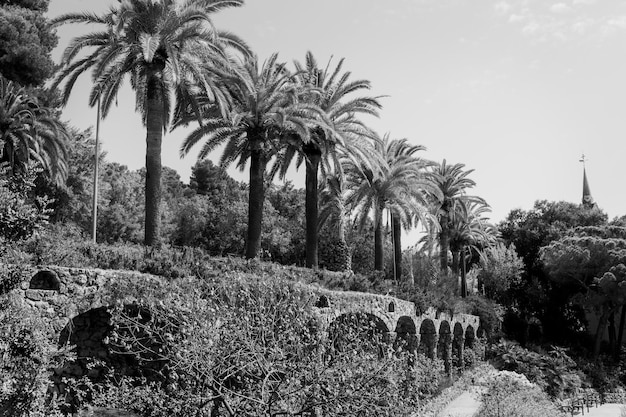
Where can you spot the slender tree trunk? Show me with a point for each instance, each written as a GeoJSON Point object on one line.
{"type": "Point", "coordinates": [612, 335]}
{"type": "Point", "coordinates": [599, 333]}
{"type": "Point", "coordinates": [455, 262]}
{"type": "Point", "coordinates": [620, 333]}
{"type": "Point", "coordinates": [313, 156]}
{"type": "Point", "coordinates": [256, 198]}
{"type": "Point", "coordinates": [154, 137]}
{"type": "Point", "coordinates": [463, 274]}
{"type": "Point", "coordinates": [444, 243]}
{"type": "Point", "coordinates": [378, 240]}
{"type": "Point", "coordinates": [397, 246]}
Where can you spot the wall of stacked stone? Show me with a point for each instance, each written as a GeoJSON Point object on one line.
{"type": "Point", "coordinates": [59, 294]}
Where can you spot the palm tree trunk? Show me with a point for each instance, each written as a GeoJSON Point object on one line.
{"type": "Point", "coordinates": [256, 198]}
{"type": "Point", "coordinates": [397, 246]}
{"type": "Point", "coordinates": [154, 137]}
{"type": "Point", "coordinates": [463, 274]}
{"type": "Point", "coordinates": [313, 156]}
{"type": "Point", "coordinates": [378, 239]}
{"type": "Point", "coordinates": [444, 244]}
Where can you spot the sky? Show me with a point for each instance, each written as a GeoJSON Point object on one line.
{"type": "Point", "coordinates": [516, 90]}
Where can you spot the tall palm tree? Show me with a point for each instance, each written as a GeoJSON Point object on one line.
{"type": "Point", "coordinates": [470, 230]}
{"type": "Point", "coordinates": [333, 212]}
{"type": "Point", "coordinates": [263, 107]}
{"type": "Point", "coordinates": [167, 48]}
{"type": "Point", "coordinates": [29, 133]}
{"type": "Point", "coordinates": [453, 182]}
{"type": "Point", "coordinates": [398, 183]}
{"type": "Point", "coordinates": [327, 89]}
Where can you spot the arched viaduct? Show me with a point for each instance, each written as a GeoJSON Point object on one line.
{"type": "Point", "coordinates": [73, 298]}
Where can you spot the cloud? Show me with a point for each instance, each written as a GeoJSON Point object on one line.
{"type": "Point", "coordinates": [560, 8]}
{"type": "Point", "coordinates": [502, 7]}
{"type": "Point", "coordinates": [563, 20]}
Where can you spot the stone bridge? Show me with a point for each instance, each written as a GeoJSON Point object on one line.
{"type": "Point", "coordinates": [74, 302]}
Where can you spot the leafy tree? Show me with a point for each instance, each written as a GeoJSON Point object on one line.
{"type": "Point", "coordinates": [327, 89]}
{"type": "Point", "coordinates": [500, 268]}
{"type": "Point", "coordinates": [30, 133]}
{"type": "Point", "coordinates": [168, 49]}
{"type": "Point", "coordinates": [20, 215]}
{"type": "Point", "coordinates": [264, 106]}
{"type": "Point", "coordinates": [590, 261]}
{"type": "Point", "coordinates": [208, 178]}
{"type": "Point", "coordinates": [26, 41]}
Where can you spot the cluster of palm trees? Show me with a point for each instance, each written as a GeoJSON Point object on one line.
{"type": "Point", "coordinates": [268, 117]}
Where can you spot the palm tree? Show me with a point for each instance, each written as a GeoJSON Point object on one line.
{"type": "Point", "coordinates": [398, 183]}
{"type": "Point", "coordinates": [167, 48]}
{"type": "Point", "coordinates": [333, 212]}
{"type": "Point", "coordinates": [470, 230]}
{"type": "Point", "coordinates": [452, 182]}
{"type": "Point", "coordinates": [29, 133]}
{"type": "Point", "coordinates": [327, 89]}
{"type": "Point", "coordinates": [263, 107]}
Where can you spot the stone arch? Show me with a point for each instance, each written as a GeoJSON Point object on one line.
{"type": "Point", "coordinates": [428, 338]}
{"type": "Point", "coordinates": [458, 342]}
{"type": "Point", "coordinates": [391, 308]}
{"type": "Point", "coordinates": [90, 332]}
{"type": "Point", "coordinates": [470, 337]}
{"type": "Point", "coordinates": [444, 345]}
{"type": "Point", "coordinates": [358, 330]}
{"type": "Point", "coordinates": [406, 334]}
{"type": "Point", "coordinates": [322, 302]}
{"type": "Point", "coordinates": [45, 280]}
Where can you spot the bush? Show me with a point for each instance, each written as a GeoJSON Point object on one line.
{"type": "Point", "coordinates": [236, 344]}
{"type": "Point", "coordinates": [555, 372]}
{"type": "Point", "coordinates": [28, 356]}
{"type": "Point", "coordinates": [511, 395]}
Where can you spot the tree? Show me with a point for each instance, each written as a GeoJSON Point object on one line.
{"type": "Point", "coordinates": [590, 261]}
{"type": "Point", "coordinates": [263, 107]}
{"type": "Point", "coordinates": [469, 230]}
{"type": "Point", "coordinates": [327, 89]}
{"type": "Point", "coordinates": [500, 268]}
{"type": "Point", "coordinates": [452, 182]}
{"type": "Point", "coordinates": [30, 133]}
{"type": "Point", "coordinates": [26, 41]}
{"type": "Point", "coordinates": [168, 49]}
{"type": "Point", "coordinates": [398, 183]}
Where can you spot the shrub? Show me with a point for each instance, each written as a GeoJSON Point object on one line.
{"type": "Point", "coordinates": [508, 395]}
{"type": "Point", "coordinates": [28, 357]}
{"type": "Point", "coordinates": [555, 372]}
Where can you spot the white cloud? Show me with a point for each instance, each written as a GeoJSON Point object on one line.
{"type": "Point", "coordinates": [502, 7]}
{"type": "Point", "coordinates": [560, 8]}
{"type": "Point", "coordinates": [583, 2]}
{"type": "Point", "coordinates": [516, 18]}
{"type": "Point", "coordinates": [617, 22]}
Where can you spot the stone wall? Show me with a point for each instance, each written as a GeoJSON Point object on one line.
{"type": "Point", "coordinates": [75, 302]}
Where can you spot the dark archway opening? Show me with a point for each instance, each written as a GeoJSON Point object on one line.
{"type": "Point", "coordinates": [322, 302]}
{"type": "Point", "coordinates": [428, 340]}
{"type": "Point", "coordinates": [45, 280]}
{"type": "Point", "coordinates": [102, 356]}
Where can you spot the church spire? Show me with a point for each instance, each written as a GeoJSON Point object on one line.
{"type": "Point", "coordinates": [587, 198]}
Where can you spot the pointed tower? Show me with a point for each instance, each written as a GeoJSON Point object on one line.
{"type": "Point", "coordinates": [587, 198]}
